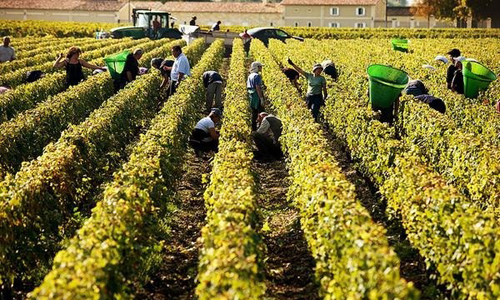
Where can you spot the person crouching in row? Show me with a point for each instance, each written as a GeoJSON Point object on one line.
{"type": "Point", "coordinates": [267, 136]}
{"type": "Point", "coordinates": [204, 137]}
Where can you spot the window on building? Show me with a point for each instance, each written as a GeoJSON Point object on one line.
{"type": "Point", "coordinates": [360, 25]}
{"type": "Point", "coordinates": [271, 24]}
{"type": "Point", "coordinates": [296, 10]}
{"type": "Point", "coordinates": [309, 24]}
{"type": "Point", "coordinates": [335, 25]}
{"type": "Point", "coordinates": [334, 11]}
{"type": "Point", "coordinates": [309, 10]}
{"type": "Point", "coordinates": [360, 11]}
{"type": "Point", "coordinates": [296, 24]}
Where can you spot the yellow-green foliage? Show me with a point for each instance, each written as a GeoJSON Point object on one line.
{"type": "Point", "coordinates": [369, 33]}
{"type": "Point", "coordinates": [50, 53]}
{"type": "Point", "coordinates": [17, 77]}
{"type": "Point", "coordinates": [448, 229]}
{"type": "Point", "coordinates": [230, 261]}
{"type": "Point", "coordinates": [44, 192]}
{"type": "Point", "coordinates": [114, 245]}
{"type": "Point", "coordinates": [24, 137]}
{"type": "Point", "coordinates": [48, 28]}
{"type": "Point", "coordinates": [353, 258]}
{"type": "Point", "coordinates": [35, 47]}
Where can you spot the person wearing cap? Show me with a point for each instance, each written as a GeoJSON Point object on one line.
{"type": "Point", "coordinates": [255, 92]}
{"type": "Point", "coordinates": [450, 73]}
{"type": "Point", "coordinates": [165, 67]}
{"type": "Point", "coordinates": [316, 84]}
{"type": "Point", "coordinates": [73, 65]}
{"type": "Point", "coordinates": [267, 136]}
{"type": "Point", "coordinates": [193, 21]}
{"type": "Point", "coordinates": [204, 136]}
{"type": "Point", "coordinates": [180, 69]}
{"type": "Point", "coordinates": [421, 93]}
{"type": "Point", "coordinates": [7, 53]}
{"type": "Point", "coordinates": [213, 84]}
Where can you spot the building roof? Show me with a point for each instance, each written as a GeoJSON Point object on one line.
{"type": "Point", "coordinates": [329, 2]}
{"type": "Point", "coordinates": [153, 5]}
{"type": "Point", "coordinates": [226, 7]}
{"type": "Point", "coordinates": [92, 5]}
{"type": "Point", "coordinates": [399, 11]}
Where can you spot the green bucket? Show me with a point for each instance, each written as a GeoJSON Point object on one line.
{"type": "Point", "coordinates": [399, 45]}
{"type": "Point", "coordinates": [476, 78]}
{"type": "Point", "coordinates": [386, 83]}
{"type": "Point", "coordinates": [116, 63]}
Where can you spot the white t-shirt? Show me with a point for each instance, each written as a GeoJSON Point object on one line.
{"type": "Point", "coordinates": [205, 124]}
{"type": "Point", "coordinates": [181, 64]}
{"type": "Point", "coordinates": [6, 53]}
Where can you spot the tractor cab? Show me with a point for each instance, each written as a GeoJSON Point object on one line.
{"type": "Point", "coordinates": [152, 24]}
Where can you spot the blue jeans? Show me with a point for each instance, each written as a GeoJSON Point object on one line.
{"type": "Point", "coordinates": [314, 102]}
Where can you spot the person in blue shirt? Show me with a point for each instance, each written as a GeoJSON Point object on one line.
{"type": "Point", "coordinates": [255, 93]}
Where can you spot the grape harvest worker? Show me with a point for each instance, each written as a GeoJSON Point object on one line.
{"type": "Point", "coordinates": [267, 136]}
{"type": "Point", "coordinates": [330, 69]}
{"type": "Point", "coordinates": [216, 26]}
{"type": "Point", "coordinates": [316, 84]}
{"type": "Point", "coordinates": [193, 21]}
{"type": "Point", "coordinates": [204, 137]}
{"type": "Point", "coordinates": [180, 69]}
{"type": "Point", "coordinates": [457, 82]}
{"type": "Point", "coordinates": [73, 65]}
{"type": "Point", "coordinates": [421, 93]}
{"type": "Point", "coordinates": [255, 92]}
{"type": "Point", "coordinates": [450, 73]}
{"type": "Point", "coordinates": [165, 67]}
{"type": "Point", "coordinates": [131, 68]}
{"type": "Point", "coordinates": [293, 76]}
{"type": "Point", "coordinates": [7, 53]}
{"type": "Point", "coordinates": [213, 84]}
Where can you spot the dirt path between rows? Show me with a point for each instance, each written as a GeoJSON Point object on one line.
{"type": "Point", "coordinates": [175, 278]}
{"type": "Point", "coordinates": [412, 264]}
{"type": "Point", "coordinates": [289, 266]}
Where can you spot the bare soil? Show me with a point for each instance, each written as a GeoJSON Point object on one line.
{"type": "Point", "coordinates": [175, 277]}
{"type": "Point", "coordinates": [289, 266]}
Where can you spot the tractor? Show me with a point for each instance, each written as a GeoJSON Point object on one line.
{"type": "Point", "coordinates": [152, 24]}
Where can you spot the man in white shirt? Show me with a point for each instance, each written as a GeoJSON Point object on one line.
{"type": "Point", "coordinates": [267, 136]}
{"type": "Point", "coordinates": [204, 136]}
{"type": "Point", "coordinates": [7, 53]}
{"type": "Point", "coordinates": [180, 69]}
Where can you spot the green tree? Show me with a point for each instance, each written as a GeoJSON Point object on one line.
{"type": "Point", "coordinates": [482, 9]}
